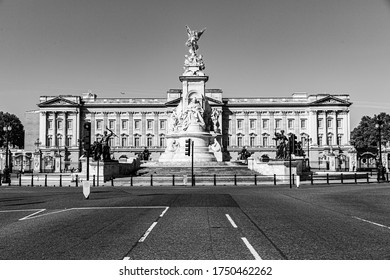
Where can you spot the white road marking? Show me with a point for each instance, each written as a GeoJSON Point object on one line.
{"type": "Point", "coordinates": [251, 249]}
{"type": "Point", "coordinates": [231, 221]}
{"type": "Point", "coordinates": [163, 213]}
{"type": "Point", "coordinates": [32, 216]}
{"type": "Point", "coordinates": [29, 216]}
{"type": "Point", "coordinates": [142, 239]}
{"type": "Point", "coordinates": [370, 222]}
{"type": "Point", "coordinates": [126, 258]}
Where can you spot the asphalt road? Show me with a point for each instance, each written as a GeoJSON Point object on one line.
{"type": "Point", "coordinates": [258, 222]}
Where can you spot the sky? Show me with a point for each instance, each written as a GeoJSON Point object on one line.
{"type": "Point", "coordinates": [259, 48]}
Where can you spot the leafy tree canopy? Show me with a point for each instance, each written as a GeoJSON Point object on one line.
{"type": "Point", "coordinates": [366, 134]}
{"type": "Point", "coordinates": [16, 135]}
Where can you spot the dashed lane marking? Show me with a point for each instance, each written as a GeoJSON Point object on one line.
{"type": "Point", "coordinates": [370, 222]}
{"type": "Point", "coordinates": [231, 220]}
{"type": "Point", "coordinates": [251, 249]}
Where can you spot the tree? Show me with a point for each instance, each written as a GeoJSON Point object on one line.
{"type": "Point", "coordinates": [16, 135]}
{"type": "Point", "coordinates": [366, 135]}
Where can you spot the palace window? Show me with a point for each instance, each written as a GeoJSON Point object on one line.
{"type": "Point", "coordinates": [68, 141]}
{"type": "Point", "coordinates": [124, 124]}
{"type": "Point", "coordinates": [239, 124]}
{"type": "Point", "coordinates": [239, 141]}
{"type": "Point", "coordinates": [137, 124]}
{"type": "Point", "coordinates": [124, 141]}
{"type": "Point", "coordinates": [290, 123]}
{"type": "Point", "coordinates": [59, 124]}
{"type": "Point", "coordinates": [265, 124]}
{"type": "Point", "coordinates": [339, 123]}
{"type": "Point", "coordinates": [277, 123]}
{"type": "Point", "coordinates": [111, 142]}
{"type": "Point", "coordinates": [162, 141]}
{"type": "Point", "coordinates": [69, 124]}
{"type": "Point", "coordinates": [339, 137]}
{"type": "Point", "coordinates": [49, 141]}
{"type": "Point", "coordinates": [329, 123]}
{"type": "Point", "coordinates": [150, 124]}
{"type": "Point", "coordinates": [320, 123]}
{"type": "Point", "coordinates": [136, 141]}
{"type": "Point", "coordinates": [111, 124]}
{"type": "Point", "coordinates": [303, 123]}
{"type": "Point", "coordinates": [330, 140]}
{"type": "Point", "coordinates": [163, 124]}
{"type": "Point", "coordinates": [252, 141]}
{"type": "Point", "coordinates": [252, 124]}
{"type": "Point", "coordinates": [149, 141]}
{"type": "Point", "coordinates": [50, 124]}
{"type": "Point", "coordinates": [265, 141]}
{"type": "Point", "coordinates": [59, 140]}
{"type": "Point", "coordinates": [99, 124]}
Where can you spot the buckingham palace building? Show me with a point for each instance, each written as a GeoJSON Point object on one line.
{"type": "Point", "coordinates": [320, 121]}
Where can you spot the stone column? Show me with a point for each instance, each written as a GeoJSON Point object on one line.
{"type": "Point", "coordinates": [143, 129]}
{"type": "Point", "coordinates": [117, 128]}
{"type": "Point", "coordinates": [55, 129]}
{"type": "Point", "coordinates": [131, 129]}
{"type": "Point", "coordinates": [313, 126]}
{"type": "Point", "coordinates": [156, 129]}
{"type": "Point", "coordinates": [246, 129]}
{"type": "Point", "coordinates": [234, 130]}
{"type": "Point", "coordinates": [43, 128]}
{"type": "Point", "coordinates": [93, 127]}
{"type": "Point", "coordinates": [258, 128]}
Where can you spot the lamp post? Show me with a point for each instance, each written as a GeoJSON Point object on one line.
{"type": "Point", "coordinates": [6, 172]}
{"type": "Point", "coordinates": [308, 140]}
{"type": "Point", "coordinates": [379, 125]}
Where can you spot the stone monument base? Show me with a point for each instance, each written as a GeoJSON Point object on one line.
{"type": "Point", "coordinates": [280, 168]}
{"type": "Point", "coordinates": [105, 170]}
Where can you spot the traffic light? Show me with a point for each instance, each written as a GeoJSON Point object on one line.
{"type": "Point", "coordinates": [188, 147]}
{"type": "Point", "coordinates": [87, 136]}
{"type": "Point", "coordinates": [292, 142]}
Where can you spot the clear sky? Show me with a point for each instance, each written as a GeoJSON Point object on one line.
{"type": "Point", "coordinates": [251, 48]}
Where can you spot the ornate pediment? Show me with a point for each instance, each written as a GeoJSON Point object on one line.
{"type": "Point", "coordinates": [58, 102]}
{"type": "Point", "coordinates": [331, 100]}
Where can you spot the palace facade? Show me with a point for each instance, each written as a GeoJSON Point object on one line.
{"type": "Point", "coordinates": [320, 121]}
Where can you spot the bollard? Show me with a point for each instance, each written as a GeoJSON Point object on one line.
{"type": "Point", "coordinates": [131, 180]}
{"type": "Point", "coordinates": [77, 180]}
{"type": "Point", "coordinates": [93, 181]}
{"type": "Point", "coordinates": [387, 177]}
{"type": "Point", "coordinates": [368, 179]}
{"type": "Point", "coordinates": [275, 179]}
{"type": "Point", "coordinates": [327, 178]}
{"type": "Point", "coordinates": [355, 178]}
{"type": "Point", "coordinates": [193, 180]}
{"type": "Point", "coordinates": [235, 179]}
{"type": "Point", "coordinates": [255, 179]}
{"type": "Point", "coordinates": [20, 180]}
{"type": "Point", "coordinates": [215, 179]}
{"type": "Point", "coordinates": [293, 179]}
{"type": "Point", "coordinates": [311, 179]}
{"type": "Point", "coordinates": [341, 178]}
{"type": "Point", "coordinates": [60, 180]}
{"type": "Point", "coordinates": [32, 180]}
{"type": "Point", "coordinates": [151, 179]}
{"type": "Point", "coordinates": [45, 180]}
{"type": "Point", "coordinates": [112, 181]}
{"type": "Point", "coordinates": [173, 179]}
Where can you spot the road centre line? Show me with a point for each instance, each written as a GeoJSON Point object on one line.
{"type": "Point", "coordinates": [142, 239]}
{"type": "Point", "coordinates": [33, 214]}
{"type": "Point", "coordinates": [231, 220]}
{"type": "Point", "coordinates": [163, 213]}
{"type": "Point", "coordinates": [251, 249]}
{"type": "Point", "coordinates": [370, 222]}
